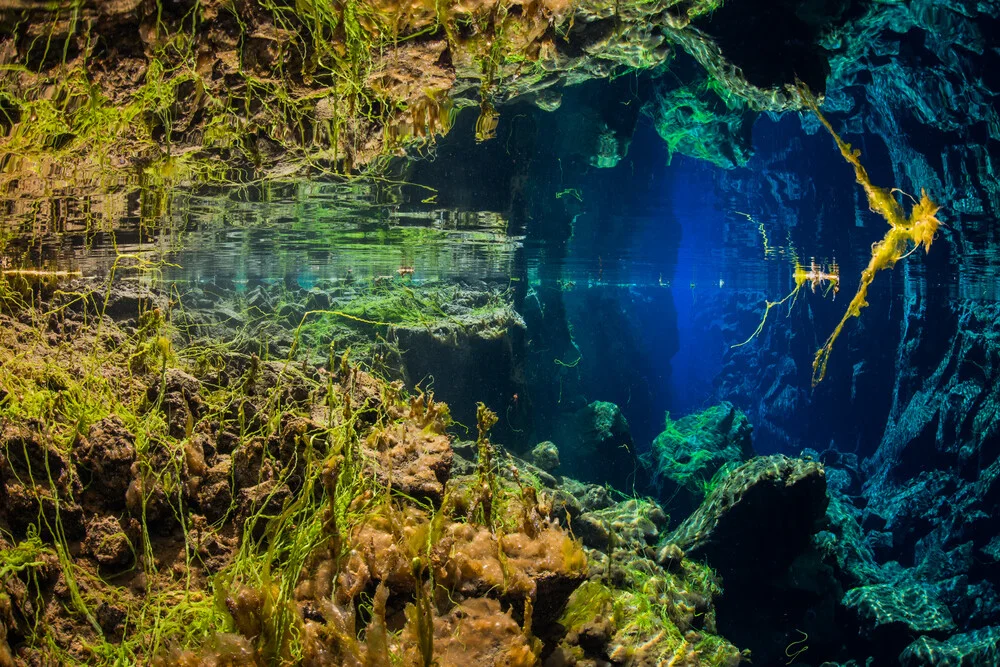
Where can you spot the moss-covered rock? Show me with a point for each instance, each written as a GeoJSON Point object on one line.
{"type": "Point", "coordinates": [979, 648]}
{"type": "Point", "coordinates": [656, 618]}
{"type": "Point", "coordinates": [692, 455]}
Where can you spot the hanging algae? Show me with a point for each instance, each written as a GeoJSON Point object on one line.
{"type": "Point", "coordinates": [919, 229]}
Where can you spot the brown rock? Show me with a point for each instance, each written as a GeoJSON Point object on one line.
{"type": "Point", "coordinates": [476, 632]}
{"type": "Point", "coordinates": [35, 476]}
{"type": "Point", "coordinates": [247, 463]}
{"type": "Point", "coordinates": [214, 499]}
{"type": "Point", "coordinates": [413, 460]}
{"type": "Point", "coordinates": [107, 542]}
{"type": "Point", "coordinates": [146, 499]}
{"type": "Point", "coordinates": [263, 501]}
{"type": "Point", "coordinates": [105, 458]}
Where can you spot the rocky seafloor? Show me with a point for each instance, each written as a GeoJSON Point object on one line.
{"type": "Point", "coordinates": [174, 503]}
{"type": "Point", "coordinates": [170, 499]}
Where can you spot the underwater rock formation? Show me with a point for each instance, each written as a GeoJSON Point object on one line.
{"type": "Point", "coordinates": [928, 491]}
{"type": "Point", "coordinates": [694, 454]}
{"type": "Point", "coordinates": [755, 529]}
{"type": "Point", "coordinates": [761, 514]}
{"type": "Point", "coordinates": [275, 453]}
{"type": "Point", "coordinates": [889, 615]}
{"type": "Point", "coordinates": [601, 448]}
{"type": "Point", "coordinates": [976, 648]}
{"type": "Point", "coordinates": [241, 510]}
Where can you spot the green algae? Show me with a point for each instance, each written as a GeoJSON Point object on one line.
{"type": "Point", "coordinates": [592, 600]}
{"type": "Point", "coordinates": [703, 120]}
{"type": "Point", "coordinates": [303, 521]}
{"type": "Point", "coordinates": [659, 616]}
{"type": "Point", "coordinates": [694, 454]}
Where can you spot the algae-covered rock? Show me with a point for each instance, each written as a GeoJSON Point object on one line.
{"type": "Point", "coordinates": [37, 479]}
{"type": "Point", "coordinates": [107, 541]}
{"type": "Point", "coordinates": [979, 648]}
{"type": "Point", "coordinates": [889, 615]}
{"type": "Point", "coordinates": [634, 522]}
{"type": "Point", "coordinates": [689, 454]}
{"type": "Point", "coordinates": [545, 455]}
{"type": "Point", "coordinates": [758, 519]}
{"type": "Point", "coordinates": [105, 458]}
{"type": "Point", "coordinates": [476, 632]}
{"type": "Point", "coordinates": [414, 460]}
{"type": "Point", "coordinates": [667, 619]}
{"type": "Point", "coordinates": [755, 529]}
{"type": "Point", "coordinates": [599, 448]}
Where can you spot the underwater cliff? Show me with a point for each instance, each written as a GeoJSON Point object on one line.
{"type": "Point", "coordinates": [513, 332]}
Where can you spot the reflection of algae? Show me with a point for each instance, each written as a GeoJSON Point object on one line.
{"type": "Point", "coordinates": [917, 229]}
{"type": "Point", "coordinates": [815, 276]}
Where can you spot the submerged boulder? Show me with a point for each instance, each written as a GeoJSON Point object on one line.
{"type": "Point", "coordinates": [545, 455]}
{"type": "Point", "coordinates": [690, 452]}
{"type": "Point", "coordinates": [476, 632]}
{"type": "Point", "coordinates": [602, 451]}
{"type": "Point", "coordinates": [758, 519]}
{"type": "Point", "coordinates": [755, 530]}
{"type": "Point", "coordinates": [104, 458]}
{"type": "Point", "coordinates": [413, 460]}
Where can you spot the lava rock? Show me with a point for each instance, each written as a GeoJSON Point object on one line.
{"type": "Point", "coordinates": [979, 648]}
{"type": "Point", "coordinates": [890, 615]}
{"type": "Point", "coordinates": [177, 395]}
{"type": "Point", "coordinates": [263, 501]}
{"type": "Point", "coordinates": [107, 543]}
{"type": "Point", "coordinates": [36, 476]}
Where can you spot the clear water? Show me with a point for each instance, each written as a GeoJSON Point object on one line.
{"type": "Point", "coordinates": [673, 262]}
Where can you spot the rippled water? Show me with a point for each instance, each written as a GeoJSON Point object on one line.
{"type": "Point", "coordinates": [301, 231]}
{"type": "Point", "coordinates": [307, 231]}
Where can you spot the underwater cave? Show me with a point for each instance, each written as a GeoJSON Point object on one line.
{"type": "Point", "coordinates": [556, 333]}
